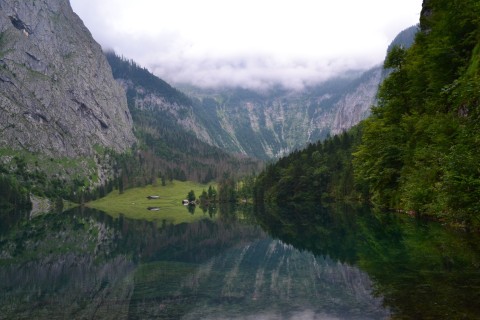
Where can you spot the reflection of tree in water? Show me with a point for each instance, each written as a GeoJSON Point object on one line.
{"type": "Point", "coordinates": [232, 270]}
{"type": "Point", "coordinates": [62, 265]}
{"type": "Point", "coordinates": [314, 228]}
{"type": "Point", "coordinates": [421, 269]}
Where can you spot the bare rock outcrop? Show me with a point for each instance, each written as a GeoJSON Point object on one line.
{"type": "Point", "coordinates": [57, 92]}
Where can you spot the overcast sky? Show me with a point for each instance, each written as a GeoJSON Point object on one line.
{"type": "Point", "coordinates": [248, 43]}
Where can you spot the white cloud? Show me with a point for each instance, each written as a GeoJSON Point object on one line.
{"type": "Point", "coordinates": [248, 42]}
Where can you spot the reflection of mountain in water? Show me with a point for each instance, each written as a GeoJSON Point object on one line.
{"type": "Point", "coordinates": [87, 265]}
{"type": "Point", "coordinates": [269, 279]}
{"type": "Point", "coordinates": [66, 287]}
{"type": "Point", "coordinates": [61, 267]}
{"type": "Point", "coordinates": [421, 270]}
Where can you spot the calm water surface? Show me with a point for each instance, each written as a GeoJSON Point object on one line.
{"type": "Point", "coordinates": [300, 262]}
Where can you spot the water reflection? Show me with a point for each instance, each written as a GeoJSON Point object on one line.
{"type": "Point", "coordinates": [277, 263]}
{"type": "Point", "coordinates": [421, 270]}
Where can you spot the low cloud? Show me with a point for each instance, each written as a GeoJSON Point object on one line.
{"type": "Point", "coordinates": [255, 72]}
{"type": "Point", "coordinates": [248, 43]}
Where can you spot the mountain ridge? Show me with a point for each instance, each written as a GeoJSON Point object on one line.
{"type": "Point", "coordinates": [164, 121]}
{"type": "Point", "coordinates": [271, 123]}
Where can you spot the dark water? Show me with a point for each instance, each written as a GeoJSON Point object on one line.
{"type": "Point", "coordinates": [304, 262]}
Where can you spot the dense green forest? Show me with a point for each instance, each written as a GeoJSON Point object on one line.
{"type": "Point", "coordinates": [321, 172]}
{"type": "Point", "coordinates": [12, 193]}
{"type": "Point", "coordinates": [419, 150]}
{"type": "Point", "coordinates": [57, 179]}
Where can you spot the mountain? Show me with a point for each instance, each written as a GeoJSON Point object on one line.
{"type": "Point", "coordinates": [57, 93]}
{"type": "Point", "coordinates": [168, 131]}
{"type": "Point", "coordinates": [355, 102]}
{"type": "Point", "coordinates": [63, 117]}
{"type": "Point", "coordinates": [270, 124]}
{"type": "Point", "coordinates": [69, 130]}
{"type": "Point", "coordinates": [264, 125]}
{"type": "Point", "coordinates": [405, 39]}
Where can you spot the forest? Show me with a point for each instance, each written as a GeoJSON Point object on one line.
{"type": "Point", "coordinates": [419, 150]}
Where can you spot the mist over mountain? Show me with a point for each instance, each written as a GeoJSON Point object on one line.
{"type": "Point", "coordinates": [171, 140]}
{"type": "Point", "coordinates": [271, 124]}
{"type": "Point", "coordinates": [263, 124]}
{"type": "Point", "coordinates": [248, 44]}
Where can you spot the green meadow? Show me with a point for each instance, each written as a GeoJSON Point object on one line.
{"type": "Point", "coordinates": [133, 203]}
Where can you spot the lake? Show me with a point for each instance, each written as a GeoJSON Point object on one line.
{"type": "Point", "coordinates": [297, 262]}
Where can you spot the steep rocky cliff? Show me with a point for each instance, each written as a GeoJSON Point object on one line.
{"type": "Point", "coordinates": [57, 93]}
{"type": "Point", "coordinates": [273, 124]}
{"type": "Point", "coordinates": [354, 106]}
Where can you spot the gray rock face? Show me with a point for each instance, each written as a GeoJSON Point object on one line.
{"type": "Point", "coordinates": [355, 105]}
{"type": "Point", "coordinates": [274, 124]}
{"type": "Point", "coordinates": [57, 92]}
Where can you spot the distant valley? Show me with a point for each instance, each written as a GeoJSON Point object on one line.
{"type": "Point", "coordinates": [77, 122]}
{"type": "Point", "coordinates": [265, 124]}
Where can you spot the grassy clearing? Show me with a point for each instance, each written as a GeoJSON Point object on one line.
{"type": "Point", "coordinates": [133, 203]}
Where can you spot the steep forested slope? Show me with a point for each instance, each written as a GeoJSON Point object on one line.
{"type": "Point", "coordinates": [161, 115]}
{"type": "Point", "coordinates": [420, 148]}
{"type": "Point", "coordinates": [321, 172]}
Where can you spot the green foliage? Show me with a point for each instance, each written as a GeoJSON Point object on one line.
{"type": "Point", "coordinates": [191, 196]}
{"type": "Point", "coordinates": [419, 148]}
{"type": "Point", "coordinates": [323, 171]}
{"type": "Point", "coordinates": [212, 193]}
{"type": "Point", "coordinates": [57, 179]}
{"type": "Point", "coordinates": [12, 194]}
{"type": "Point", "coordinates": [395, 58]}
{"type": "Point", "coordinates": [227, 189]}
